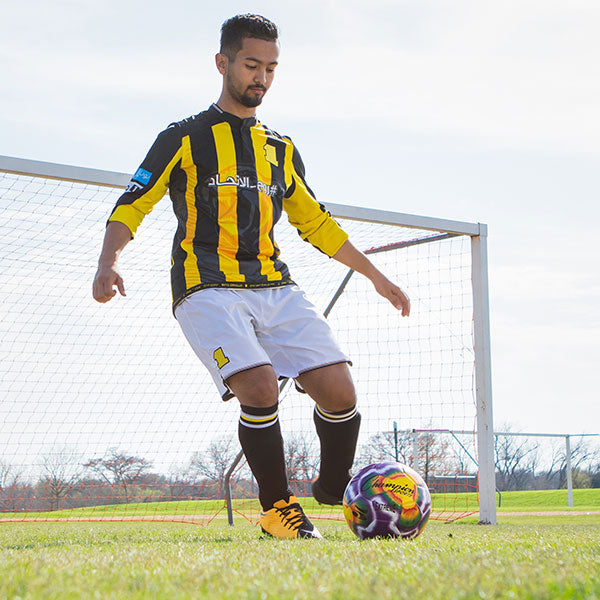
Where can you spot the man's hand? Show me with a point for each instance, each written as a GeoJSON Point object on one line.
{"type": "Point", "coordinates": [393, 293]}
{"type": "Point", "coordinates": [107, 276]}
{"type": "Point", "coordinates": [354, 259]}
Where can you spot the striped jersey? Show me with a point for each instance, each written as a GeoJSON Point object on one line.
{"type": "Point", "coordinates": [229, 180]}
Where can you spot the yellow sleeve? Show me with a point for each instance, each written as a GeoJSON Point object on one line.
{"type": "Point", "coordinates": [150, 182]}
{"type": "Point", "coordinates": [313, 222]}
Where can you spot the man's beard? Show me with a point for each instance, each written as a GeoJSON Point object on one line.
{"type": "Point", "coordinates": [246, 99]}
{"type": "Point", "coordinates": [250, 100]}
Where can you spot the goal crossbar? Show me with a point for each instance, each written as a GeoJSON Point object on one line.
{"type": "Point", "coordinates": [37, 168]}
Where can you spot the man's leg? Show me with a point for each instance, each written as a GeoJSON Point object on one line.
{"type": "Point", "coordinates": [219, 325]}
{"type": "Point", "coordinates": [337, 422]}
{"type": "Point", "coordinates": [259, 431]}
{"type": "Point", "coordinates": [260, 437]}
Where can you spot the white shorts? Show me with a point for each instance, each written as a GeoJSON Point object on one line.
{"type": "Point", "coordinates": [232, 330]}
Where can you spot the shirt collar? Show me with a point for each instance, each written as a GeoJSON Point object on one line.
{"type": "Point", "coordinates": [231, 118]}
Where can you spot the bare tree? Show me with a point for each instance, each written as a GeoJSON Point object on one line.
{"type": "Point", "coordinates": [179, 485]}
{"type": "Point", "coordinates": [213, 463]}
{"type": "Point", "coordinates": [119, 469]}
{"type": "Point", "coordinates": [583, 456]}
{"type": "Point", "coordinates": [595, 473]}
{"type": "Point", "coordinates": [61, 471]}
{"type": "Point", "coordinates": [516, 460]}
{"type": "Point", "coordinates": [434, 455]}
{"type": "Point", "coordinates": [9, 476]}
{"type": "Point", "coordinates": [382, 447]}
{"type": "Point", "coordinates": [301, 457]}
{"type": "Point", "coordinates": [11, 482]}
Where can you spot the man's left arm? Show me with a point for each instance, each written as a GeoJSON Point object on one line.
{"type": "Point", "coordinates": [353, 258]}
{"type": "Point", "coordinates": [315, 225]}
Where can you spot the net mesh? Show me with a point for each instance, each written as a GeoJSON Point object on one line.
{"type": "Point", "coordinates": [108, 414]}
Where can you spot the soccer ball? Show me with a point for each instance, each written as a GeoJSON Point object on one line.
{"type": "Point", "coordinates": [387, 499]}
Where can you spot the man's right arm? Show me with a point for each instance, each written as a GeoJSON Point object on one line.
{"type": "Point", "coordinates": [116, 237]}
{"type": "Point", "coordinates": [147, 186]}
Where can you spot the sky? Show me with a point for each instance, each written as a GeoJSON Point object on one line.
{"type": "Point", "coordinates": [476, 111]}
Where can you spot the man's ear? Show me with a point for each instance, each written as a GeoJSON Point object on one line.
{"type": "Point", "coordinates": [222, 62]}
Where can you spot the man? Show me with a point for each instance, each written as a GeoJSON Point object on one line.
{"type": "Point", "coordinates": [229, 178]}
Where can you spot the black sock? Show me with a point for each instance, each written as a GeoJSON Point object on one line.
{"type": "Point", "coordinates": [338, 433]}
{"type": "Point", "coordinates": [260, 437]}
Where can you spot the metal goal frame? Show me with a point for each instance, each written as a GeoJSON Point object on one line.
{"type": "Point", "coordinates": [477, 233]}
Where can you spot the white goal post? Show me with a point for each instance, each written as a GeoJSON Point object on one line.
{"type": "Point", "coordinates": [55, 350]}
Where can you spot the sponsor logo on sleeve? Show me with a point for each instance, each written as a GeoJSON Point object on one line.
{"type": "Point", "coordinates": [139, 180]}
{"type": "Point", "coordinates": [142, 176]}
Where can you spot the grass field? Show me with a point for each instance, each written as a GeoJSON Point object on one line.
{"type": "Point", "coordinates": [538, 550]}
{"type": "Point", "coordinates": [522, 557]}
{"type": "Point", "coordinates": [542, 500]}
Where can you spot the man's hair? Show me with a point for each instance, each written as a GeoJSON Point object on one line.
{"type": "Point", "coordinates": [234, 30]}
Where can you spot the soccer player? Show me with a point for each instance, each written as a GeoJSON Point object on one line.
{"type": "Point", "coordinates": [229, 177]}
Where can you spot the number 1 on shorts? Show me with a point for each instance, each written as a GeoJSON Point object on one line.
{"type": "Point", "coordinates": [220, 357]}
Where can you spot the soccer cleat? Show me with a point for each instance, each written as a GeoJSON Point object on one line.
{"type": "Point", "coordinates": [287, 520]}
{"type": "Point", "coordinates": [323, 496]}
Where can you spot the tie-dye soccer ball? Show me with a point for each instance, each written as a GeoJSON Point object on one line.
{"type": "Point", "coordinates": [387, 499]}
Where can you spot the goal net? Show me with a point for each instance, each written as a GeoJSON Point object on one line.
{"type": "Point", "coordinates": [108, 415]}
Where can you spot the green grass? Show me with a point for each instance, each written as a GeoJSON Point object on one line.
{"type": "Point", "coordinates": [179, 507]}
{"type": "Point", "coordinates": [539, 500]}
{"type": "Point", "coordinates": [526, 558]}
{"type": "Point", "coordinates": [543, 500]}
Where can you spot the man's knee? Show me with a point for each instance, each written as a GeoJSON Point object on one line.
{"type": "Point", "coordinates": [255, 387]}
{"type": "Point", "coordinates": [330, 387]}
{"type": "Point", "coordinates": [343, 396]}
{"type": "Point", "coordinates": [262, 394]}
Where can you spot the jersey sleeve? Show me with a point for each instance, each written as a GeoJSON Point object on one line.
{"type": "Point", "coordinates": [313, 222]}
{"type": "Point", "coordinates": [150, 182]}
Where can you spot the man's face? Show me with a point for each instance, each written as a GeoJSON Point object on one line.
{"type": "Point", "coordinates": [250, 74]}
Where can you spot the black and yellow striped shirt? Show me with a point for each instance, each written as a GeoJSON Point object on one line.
{"type": "Point", "coordinates": [229, 179]}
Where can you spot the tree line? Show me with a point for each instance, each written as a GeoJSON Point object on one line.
{"type": "Point", "coordinates": [522, 464]}
{"type": "Point", "coordinates": [65, 481]}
